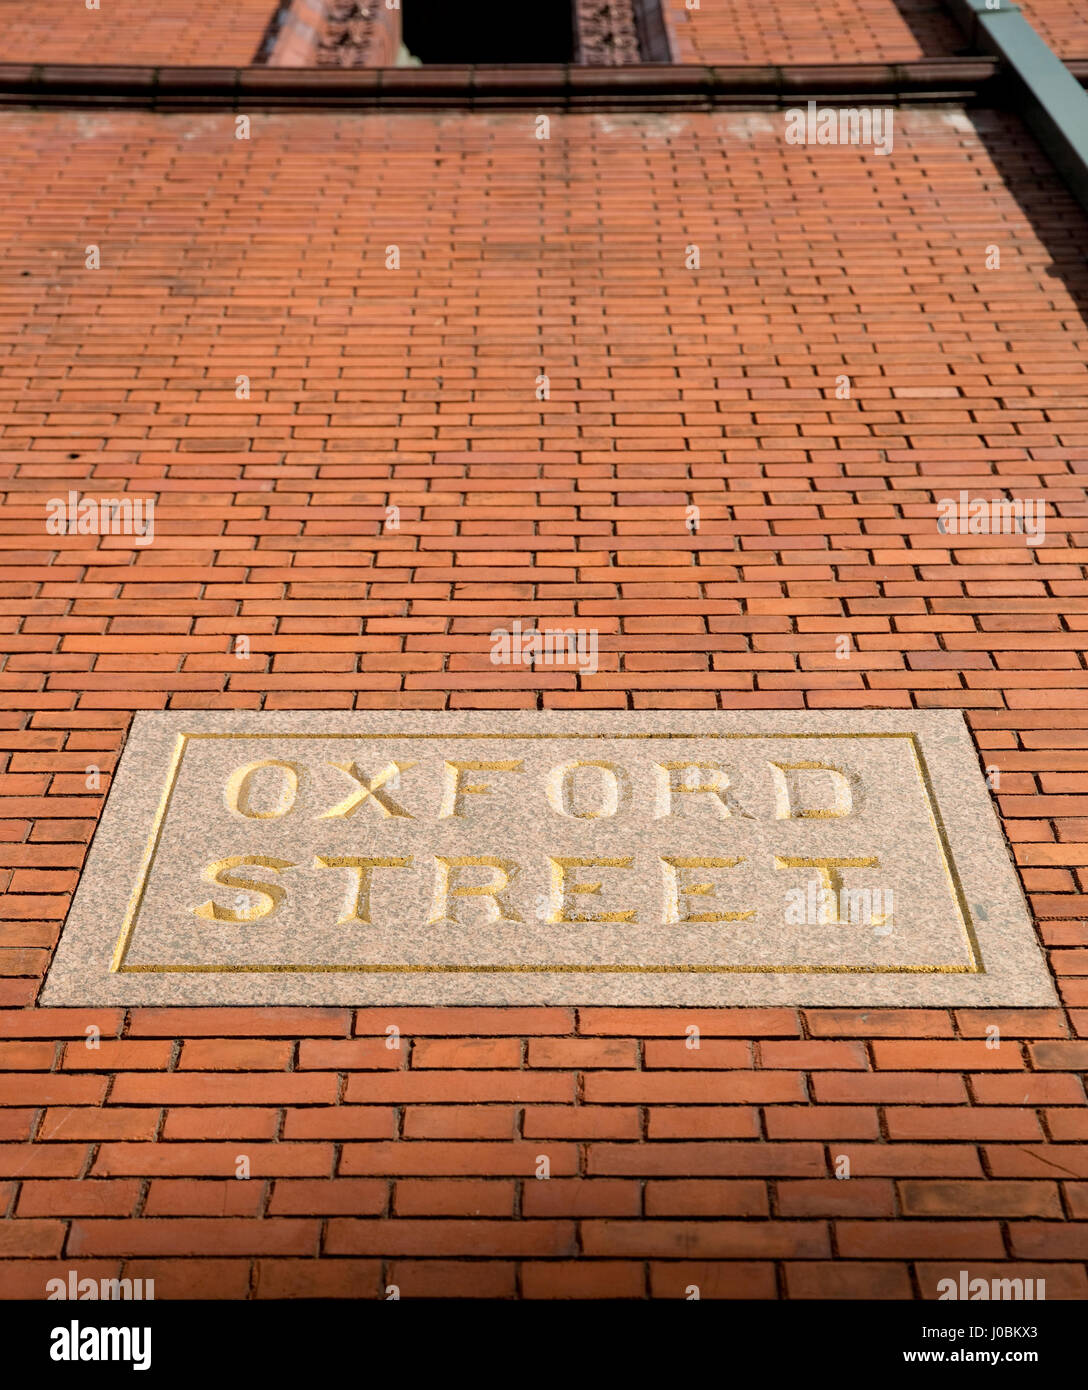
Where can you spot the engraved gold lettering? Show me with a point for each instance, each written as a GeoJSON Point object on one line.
{"type": "Point", "coordinates": [369, 791]}
{"type": "Point", "coordinates": [358, 907]}
{"type": "Point", "coordinates": [559, 794]}
{"type": "Point", "coordinates": [831, 886]}
{"type": "Point", "coordinates": [675, 888]}
{"type": "Point", "coordinates": [671, 783]}
{"type": "Point", "coordinates": [843, 799]}
{"type": "Point", "coordinates": [448, 870]}
{"type": "Point", "coordinates": [561, 888]}
{"type": "Point", "coordinates": [455, 789]}
{"type": "Point", "coordinates": [270, 893]}
{"type": "Point", "coordinates": [236, 792]}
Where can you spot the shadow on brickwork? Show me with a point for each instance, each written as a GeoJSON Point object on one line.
{"type": "Point", "coordinates": [935, 31]}
{"type": "Point", "coordinates": [1057, 219]}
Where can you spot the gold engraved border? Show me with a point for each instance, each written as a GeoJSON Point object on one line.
{"type": "Point", "coordinates": [128, 926]}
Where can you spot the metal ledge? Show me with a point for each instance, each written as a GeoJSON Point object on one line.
{"type": "Point", "coordinates": [1046, 93]}
{"type": "Point", "coordinates": [572, 87]}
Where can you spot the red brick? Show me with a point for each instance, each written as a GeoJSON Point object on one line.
{"type": "Point", "coordinates": [226, 1054]}
{"type": "Point", "coordinates": [451, 1278]}
{"type": "Point", "coordinates": [835, 1197]}
{"type": "Point", "coordinates": [649, 1239]}
{"type": "Point", "coordinates": [705, 1197]}
{"type": "Point", "coordinates": [278, 1278]}
{"type": "Point", "coordinates": [857, 1280]}
{"type": "Point", "coordinates": [204, 1197]}
{"type": "Point", "coordinates": [592, 1279]}
{"type": "Point", "coordinates": [930, 1198]}
{"type": "Point", "coordinates": [947, 1056]}
{"type": "Point", "coordinates": [17, 1088]}
{"type": "Point", "coordinates": [239, 1023]}
{"type": "Point", "coordinates": [433, 1158]}
{"type": "Point", "coordinates": [122, 1055]}
{"type": "Point", "coordinates": [1066, 1124]}
{"type": "Point", "coordinates": [1048, 1240]}
{"type": "Point", "coordinates": [177, 1236]}
{"type": "Point", "coordinates": [31, 1056]}
{"type": "Point", "coordinates": [879, 1023]}
{"type": "Point", "coordinates": [455, 1122]}
{"type": "Point", "coordinates": [59, 1023]}
{"type": "Point", "coordinates": [206, 1122]}
{"type": "Point", "coordinates": [581, 1122]}
{"type": "Point", "coordinates": [78, 1197]}
{"type": "Point", "coordinates": [576, 1197]}
{"type": "Point", "coordinates": [706, 1088]}
{"type": "Point", "coordinates": [1012, 1023]}
{"type": "Point", "coordinates": [328, 1197]}
{"type": "Point", "coordinates": [20, 1239]}
{"type": "Point", "coordinates": [29, 1279]}
{"type": "Point", "coordinates": [823, 1122]}
{"type": "Point", "coordinates": [391, 1237]}
{"type": "Point", "coordinates": [193, 1088]}
{"type": "Point", "coordinates": [674, 1054]}
{"type": "Point", "coordinates": [673, 1023]}
{"type": "Point", "coordinates": [16, 1124]}
{"type": "Point", "coordinates": [1037, 1160]}
{"type": "Point", "coordinates": [82, 1122]}
{"type": "Point", "coordinates": [194, 1279]}
{"type": "Point", "coordinates": [974, 1122]}
{"type": "Point", "coordinates": [1061, 1281]}
{"type": "Point", "coordinates": [735, 1279]}
{"type": "Point", "coordinates": [709, 1160]}
{"type": "Point", "coordinates": [852, 1088]}
{"type": "Point", "coordinates": [456, 1197]}
{"type": "Point", "coordinates": [1060, 1056]}
{"type": "Point", "coordinates": [1047, 1088]}
{"type": "Point", "coordinates": [889, 1240]}
{"type": "Point", "coordinates": [703, 1122]}
{"type": "Point", "coordinates": [909, 1160]}
{"type": "Point", "coordinates": [460, 1023]}
{"type": "Point", "coordinates": [340, 1122]}
{"type": "Point", "coordinates": [583, 1053]}
{"type": "Point", "coordinates": [1076, 1195]}
{"type": "Point", "coordinates": [814, 1056]}
{"type": "Point", "coordinates": [453, 1054]}
{"type": "Point", "coordinates": [213, 1160]}
{"type": "Point", "coordinates": [42, 1160]}
{"type": "Point", "coordinates": [357, 1054]}
{"type": "Point", "coordinates": [407, 1088]}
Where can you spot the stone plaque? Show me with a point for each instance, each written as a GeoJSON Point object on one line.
{"type": "Point", "coordinates": [619, 858]}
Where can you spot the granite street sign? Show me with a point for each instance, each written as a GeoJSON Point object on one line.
{"type": "Point", "coordinates": [619, 858]}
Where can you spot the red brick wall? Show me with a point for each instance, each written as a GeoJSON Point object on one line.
{"type": "Point", "coordinates": [757, 31]}
{"type": "Point", "coordinates": [177, 32]}
{"type": "Point", "coordinates": [846, 31]}
{"type": "Point", "coordinates": [797, 31]}
{"type": "Point", "coordinates": [1063, 24]}
{"type": "Point", "coordinates": [417, 388]}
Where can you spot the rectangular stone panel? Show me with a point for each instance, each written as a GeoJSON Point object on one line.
{"type": "Point", "coordinates": [517, 857]}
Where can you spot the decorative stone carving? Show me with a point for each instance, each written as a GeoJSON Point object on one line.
{"type": "Point", "coordinates": [348, 33]}
{"type": "Point", "coordinates": [365, 34]}
{"type": "Point", "coordinates": [607, 33]}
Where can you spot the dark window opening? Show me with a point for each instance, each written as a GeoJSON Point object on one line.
{"type": "Point", "coordinates": [489, 31]}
